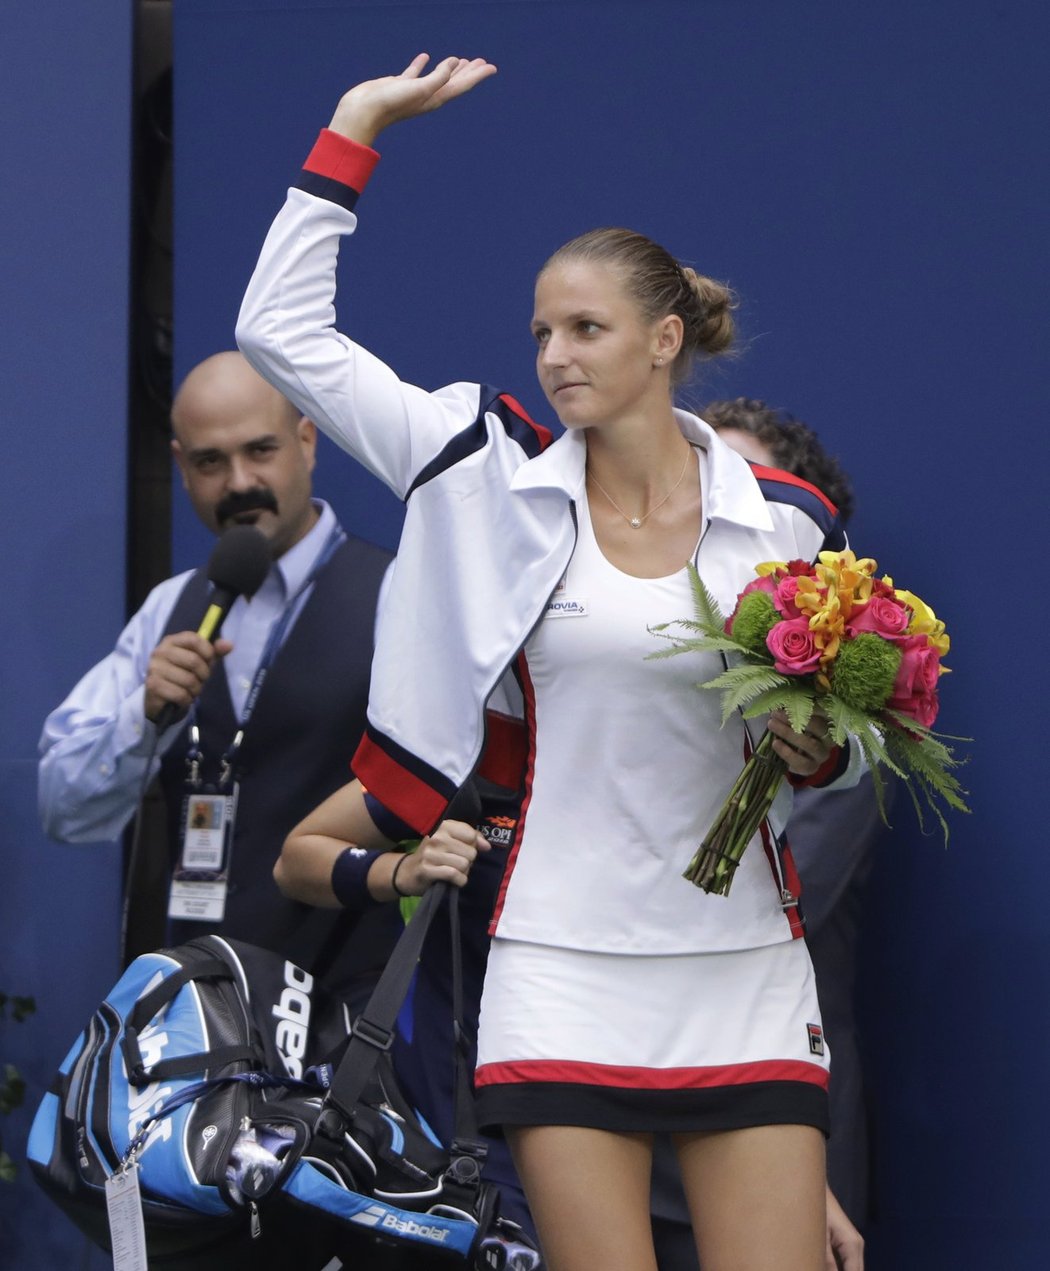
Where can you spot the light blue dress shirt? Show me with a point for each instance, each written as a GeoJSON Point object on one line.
{"type": "Point", "coordinates": [94, 747]}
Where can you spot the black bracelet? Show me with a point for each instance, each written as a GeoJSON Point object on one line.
{"type": "Point", "coordinates": [393, 877]}
{"type": "Point", "coordinates": [350, 877]}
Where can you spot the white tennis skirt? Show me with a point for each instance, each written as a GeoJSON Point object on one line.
{"type": "Point", "coordinates": [689, 1042]}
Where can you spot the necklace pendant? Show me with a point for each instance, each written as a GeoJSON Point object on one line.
{"type": "Point", "coordinates": [635, 523]}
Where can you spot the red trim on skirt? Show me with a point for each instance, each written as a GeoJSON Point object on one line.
{"type": "Point", "coordinates": [613, 1075]}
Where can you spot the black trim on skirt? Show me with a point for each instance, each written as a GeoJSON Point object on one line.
{"type": "Point", "coordinates": [630, 1110]}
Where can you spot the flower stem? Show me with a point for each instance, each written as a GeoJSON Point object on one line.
{"type": "Point", "coordinates": [715, 861]}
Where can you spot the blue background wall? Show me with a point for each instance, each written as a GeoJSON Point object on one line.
{"type": "Point", "coordinates": [65, 100]}
{"type": "Point", "coordinates": [870, 181]}
{"type": "Point", "coordinates": [867, 179]}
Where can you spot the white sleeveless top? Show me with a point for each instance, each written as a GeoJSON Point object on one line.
{"type": "Point", "coordinates": [629, 768]}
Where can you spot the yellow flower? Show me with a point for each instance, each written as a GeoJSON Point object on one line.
{"type": "Point", "coordinates": [848, 577]}
{"type": "Point", "coordinates": [827, 622]}
{"type": "Point", "coordinates": [925, 621]}
{"type": "Point", "coordinates": [771, 567]}
{"type": "Point", "coordinates": [847, 560]}
{"type": "Point", "coordinates": [826, 629]}
{"type": "Point", "coordinates": [810, 596]}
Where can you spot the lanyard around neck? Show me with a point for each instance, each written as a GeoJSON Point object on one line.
{"type": "Point", "coordinates": [278, 632]}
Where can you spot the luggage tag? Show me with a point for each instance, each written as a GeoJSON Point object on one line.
{"type": "Point", "coordinates": [200, 880]}
{"type": "Point", "coordinates": [127, 1232]}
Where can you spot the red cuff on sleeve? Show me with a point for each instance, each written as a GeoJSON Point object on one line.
{"type": "Point", "coordinates": [337, 158]}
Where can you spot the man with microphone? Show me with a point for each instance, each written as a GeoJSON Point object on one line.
{"type": "Point", "coordinates": [267, 714]}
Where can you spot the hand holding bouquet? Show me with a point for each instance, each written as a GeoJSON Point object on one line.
{"type": "Point", "coordinates": [834, 639]}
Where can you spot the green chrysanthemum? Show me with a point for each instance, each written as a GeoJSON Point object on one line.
{"type": "Point", "coordinates": [864, 671]}
{"type": "Point", "coordinates": [754, 619]}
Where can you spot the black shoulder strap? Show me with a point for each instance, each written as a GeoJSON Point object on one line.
{"type": "Point", "coordinates": [149, 1006]}
{"type": "Point", "coordinates": [373, 1030]}
{"type": "Point", "coordinates": [464, 1116]}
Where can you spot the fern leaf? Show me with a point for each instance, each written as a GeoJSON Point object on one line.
{"type": "Point", "coordinates": [717, 642]}
{"type": "Point", "coordinates": [931, 762]}
{"type": "Point", "coordinates": [708, 613]}
{"type": "Point", "coordinates": [740, 685]}
{"type": "Point", "coordinates": [797, 701]}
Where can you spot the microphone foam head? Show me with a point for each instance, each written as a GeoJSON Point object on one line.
{"type": "Point", "coordinates": [240, 560]}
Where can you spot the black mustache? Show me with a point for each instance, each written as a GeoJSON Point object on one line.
{"type": "Point", "coordinates": [239, 501]}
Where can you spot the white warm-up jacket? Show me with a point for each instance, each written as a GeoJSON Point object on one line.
{"type": "Point", "coordinates": [490, 499]}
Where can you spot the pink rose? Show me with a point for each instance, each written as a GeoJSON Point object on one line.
{"type": "Point", "coordinates": [793, 648]}
{"type": "Point", "coordinates": [920, 707]}
{"type": "Point", "coordinates": [784, 597]}
{"type": "Point", "coordinates": [915, 689]}
{"type": "Point", "coordinates": [759, 584]}
{"type": "Point", "coordinates": [884, 617]}
{"type": "Point", "coordinates": [920, 667]}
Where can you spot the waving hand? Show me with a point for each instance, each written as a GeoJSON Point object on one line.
{"type": "Point", "coordinates": [375, 104]}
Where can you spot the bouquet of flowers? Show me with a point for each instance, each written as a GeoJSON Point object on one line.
{"type": "Point", "coordinates": [833, 638]}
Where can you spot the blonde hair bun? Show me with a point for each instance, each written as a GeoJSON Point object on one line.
{"type": "Point", "coordinates": [715, 329]}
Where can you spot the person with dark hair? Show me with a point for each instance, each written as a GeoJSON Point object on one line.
{"type": "Point", "coordinates": [779, 440]}
{"type": "Point", "coordinates": [619, 1000]}
{"type": "Point", "coordinates": [832, 835]}
{"type": "Point", "coordinates": [832, 832]}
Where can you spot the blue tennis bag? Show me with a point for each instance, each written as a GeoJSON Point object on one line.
{"type": "Point", "coordinates": [264, 1122]}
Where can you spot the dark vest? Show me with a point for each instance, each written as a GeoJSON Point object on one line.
{"type": "Point", "coordinates": [297, 749]}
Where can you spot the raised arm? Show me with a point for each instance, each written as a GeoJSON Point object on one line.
{"type": "Point", "coordinates": [287, 324]}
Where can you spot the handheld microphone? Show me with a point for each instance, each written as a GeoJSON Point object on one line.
{"type": "Point", "coordinates": [238, 564]}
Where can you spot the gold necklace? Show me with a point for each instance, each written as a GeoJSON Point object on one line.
{"type": "Point", "coordinates": [636, 522]}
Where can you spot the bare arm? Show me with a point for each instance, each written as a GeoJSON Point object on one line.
{"type": "Point", "coordinates": [304, 868]}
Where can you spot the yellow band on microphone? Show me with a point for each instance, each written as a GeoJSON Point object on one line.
{"type": "Point", "coordinates": [210, 622]}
